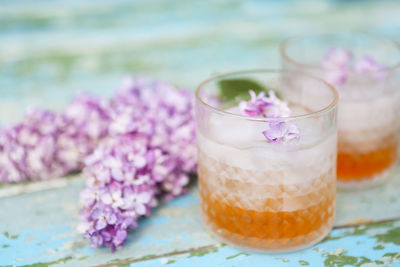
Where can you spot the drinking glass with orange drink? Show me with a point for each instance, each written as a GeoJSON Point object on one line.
{"type": "Point", "coordinates": [365, 71]}
{"type": "Point", "coordinates": [267, 149]}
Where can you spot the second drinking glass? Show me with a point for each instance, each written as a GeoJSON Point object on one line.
{"type": "Point", "coordinates": [364, 70]}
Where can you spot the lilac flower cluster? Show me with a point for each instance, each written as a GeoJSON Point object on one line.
{"type": "Point", "coordinates": [47, 144]}
{"type": "Point", "coordinates": [134, 148]}
{"type": "Point", "coordinates": [338, 63]}
{"type": "Point", "coordinates": [28, 149]}
{"type": "Point", "coordinates": [368, 65]}
{"type": "Point", "coordinates": [83, 124]}
{"type": "Point", "coordinates": [260, 105]}
{"type": "Point", "coordinates": [271, 107]}
{"type": "Point", "coordinates": [150, 154]}
{"type": "Point", "coordinates": [171, 111]}
{"type": "Point", "coordinates": [123, 173]}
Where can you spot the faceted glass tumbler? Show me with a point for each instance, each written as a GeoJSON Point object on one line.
{"type": "Point", "coordinates": [261, 196]}
{"type": "Point", "coordinates": [368, 114]}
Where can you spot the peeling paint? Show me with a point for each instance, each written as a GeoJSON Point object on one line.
{"type": "Point", "coordinates": [46, 264]}
{"type": "Point", "coordinates": [361, 230]}
{"type": "Point", "coordinates": [392, 236]}
{"type": "Point", "coordinates": [237, 255]}
{"type": "Point", "coordinates": [282, 259]}
{"type": "Point", "coordinates": [6, 234]}
{"type": "Point", "coordinates": [378, 247]}
{"type": "Point", "coordinates": [201, 253]}
{"type": "Point", "coordinates": [80, 244]}
{"type": "Point", "coordinates": [83, 258]}
{"type": "Point", "coordinates": [340, 260]}
{"type": "Point", "coordinates": [393, 255]}
{"type": "Point", "coordinates": [330, 238]}
{"type": "Point", "coordinates": [303, 262]}
{"type": "Point", "coordinates": [118, 260]}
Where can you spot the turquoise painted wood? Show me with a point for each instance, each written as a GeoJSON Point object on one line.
{"type": "Point", "coordinates": [49, 50]}
{"type": "Point", "coordinates": [39, 226]}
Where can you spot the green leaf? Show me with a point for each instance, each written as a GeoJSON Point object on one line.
{"type": "Point", "coordinates": [235, 89]}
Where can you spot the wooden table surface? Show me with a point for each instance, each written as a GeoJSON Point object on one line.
{"type": "Point", "coordinates": [50, 50]}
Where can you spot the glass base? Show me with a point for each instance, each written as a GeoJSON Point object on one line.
{"type": "Point", "coordinates": [367, 182]}
{"type": "Point", "coordinates": [268, 245]}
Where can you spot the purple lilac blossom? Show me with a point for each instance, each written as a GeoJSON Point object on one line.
{"type": "Point", "coordinates": [135, 148]}
{"type": "Point", "coordinates": [171, 110]}
{"type": "Point", "coordinates": [150, 154]}
{"type": "Point", "coordinates": [84, 122]}
{"type": "Point", "coordinates": [337, 58]}
{"type": "Point", "coordinates": [262, 106]}
{"type": "Point", "coordinates": [367, 64]}
{"type": "Point", "coordinates": [271, 107]}
{"type": "Point", "coordinates": [281, 132]}
{"type": "Point", "coordinates": [337, 64]}
{"type": "Point", "coordinates": [256, 106]}
{"type": "Point", "coordinates": [47, 144]}
{"type": "Point", "coordinates": [122, 184]}
{"type": "Point", "coordinates": [8, 170]}
{"type": "Point", "coordinates": [27, 149]}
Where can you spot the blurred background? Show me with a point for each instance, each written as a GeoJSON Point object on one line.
{"type": "Point", "coordinates": [51, 49]}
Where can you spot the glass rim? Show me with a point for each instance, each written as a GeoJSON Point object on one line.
{"type": "Point", "coordinates": [283, 48]}
{"type": "Point", "coordinates": [332, 105]}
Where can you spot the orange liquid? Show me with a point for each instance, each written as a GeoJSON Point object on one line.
{"type": "Point", "coordinates": [269, 229]}
{"type": "Point", "coordinates": [356, 166]}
